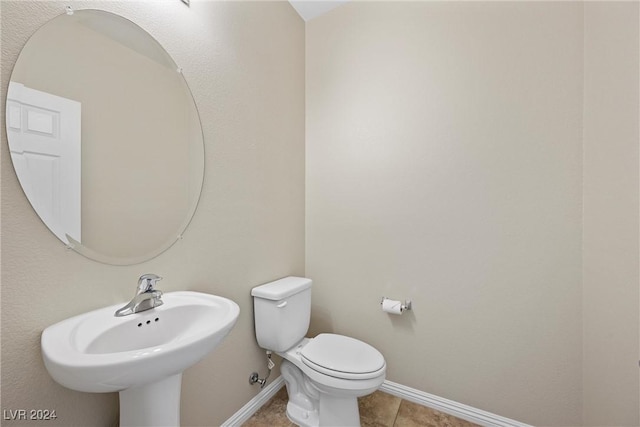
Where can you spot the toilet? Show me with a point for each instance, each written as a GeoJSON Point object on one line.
{"type": "Point", "coordinates": [324, 375]}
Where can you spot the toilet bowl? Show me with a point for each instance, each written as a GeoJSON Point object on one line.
{"type": "Point", "coordinates": [324, 378]}
{"type": "Point", "coordinates": [324, 375]}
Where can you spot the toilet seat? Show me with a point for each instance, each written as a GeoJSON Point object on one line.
{"type": "Point", "coordinates": [342, 357]}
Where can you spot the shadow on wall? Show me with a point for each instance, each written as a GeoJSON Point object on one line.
{"type": "Point", "coordinates": [322, 321]}
{"type": "Point", "coordinates": [406, 321]}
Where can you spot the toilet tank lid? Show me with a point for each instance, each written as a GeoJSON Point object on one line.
{"type": "Point", "coordinates": [281, 288]}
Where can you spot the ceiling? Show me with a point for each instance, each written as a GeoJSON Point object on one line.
{"type": "Point", "coordinates": [309, 9]}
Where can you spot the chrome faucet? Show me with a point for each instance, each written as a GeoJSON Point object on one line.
{"type": "Point", "coordinates": [147, 297]}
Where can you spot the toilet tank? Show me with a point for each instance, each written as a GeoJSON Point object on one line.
{"type": "Point", "coordinates": [282, 311]}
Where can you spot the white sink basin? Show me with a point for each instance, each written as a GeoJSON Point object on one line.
{"type": "Point", "coordinates": [99, 352]}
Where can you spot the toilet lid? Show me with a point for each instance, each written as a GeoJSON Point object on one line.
{"type": "Point", "coordinates": [342, 357]}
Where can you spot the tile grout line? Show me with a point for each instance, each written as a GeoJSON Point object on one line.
{"type": "Point", "coordinates": [395, 420]}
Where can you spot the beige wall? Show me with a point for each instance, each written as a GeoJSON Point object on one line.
{"type": "Point", "coordinates": [245, 65]}
{"type": "Point", "coordinates": [444, 165]}
{"type": "Point", "coordinates": [610, 257]}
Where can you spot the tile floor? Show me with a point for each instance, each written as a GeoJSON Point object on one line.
{"type": "Point", "coordinates": [376, 410]}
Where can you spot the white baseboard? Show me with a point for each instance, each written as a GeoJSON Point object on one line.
{"type": "Point", "coordinates": [254, 404]}
{"type": "Point", "coordinates": [478, 416]}
{"type": "Point", "coordinates": [465, 412]}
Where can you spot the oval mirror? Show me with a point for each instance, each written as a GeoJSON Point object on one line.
{"type": "Point", "coordinates": [105, 137]}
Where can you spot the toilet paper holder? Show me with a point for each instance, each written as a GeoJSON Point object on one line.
{"type": "Point", "coordinates": [404, 307]}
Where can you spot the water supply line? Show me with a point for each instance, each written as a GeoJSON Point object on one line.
{"type": "Point", "coordinates": [254, 377]}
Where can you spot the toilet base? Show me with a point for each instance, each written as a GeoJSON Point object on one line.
{"type": "Point", "coordinates": [339, 411]}
{"type": "Point", "coordinates": [308, 407]}
{"type": "Point", "coordinates": [301, 416]}
{"type": "Point", "coordinates": [304, 401]}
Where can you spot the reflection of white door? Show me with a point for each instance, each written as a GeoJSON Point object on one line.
{"type": "Point", "coordinates": [44, 139]}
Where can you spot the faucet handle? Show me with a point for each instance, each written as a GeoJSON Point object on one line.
{"type": "Point", "coordinates": [147, 283]}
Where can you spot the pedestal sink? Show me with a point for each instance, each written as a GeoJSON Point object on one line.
{"type": "Point", "coordinates": [142, 355]}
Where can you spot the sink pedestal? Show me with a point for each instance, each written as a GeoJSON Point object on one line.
{"type": "Point", "coordinates": [152, 405]}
